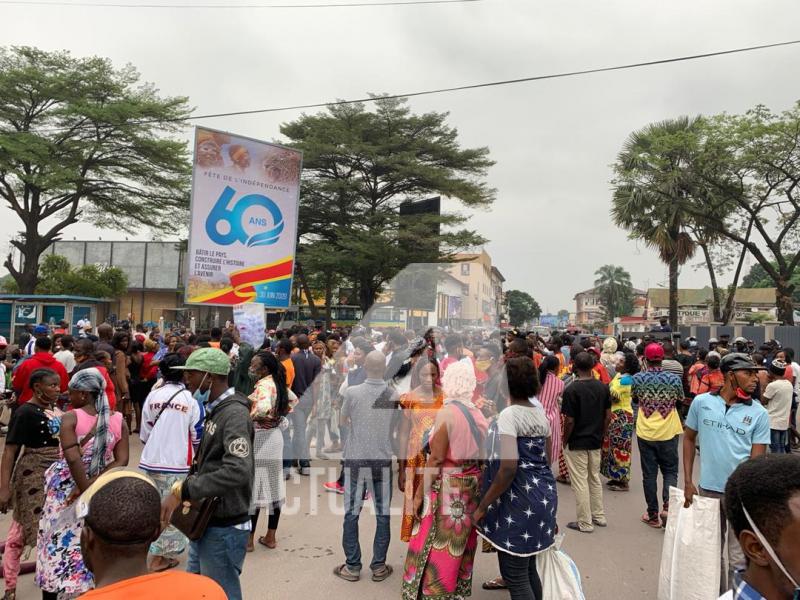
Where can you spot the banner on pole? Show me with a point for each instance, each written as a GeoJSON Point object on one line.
{"type": "Point", "coordinates": [245, 196]}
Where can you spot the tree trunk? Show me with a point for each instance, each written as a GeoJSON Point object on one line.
{"type": "Point", "coordinates": [306, 290]}
{"type": "Point", "coordinates": [716, 292]}
{"type": "Point", "coordinates": [673, 293]}
{"type": "Point", "coordinates": [366, 295]}
{"type": "Point", "coordinates": [783, 297]}
{"type": "Point", "coordinates": [328, 301]}
{"type": "Point", "coordinates": [28, 277]}
{"type": "Point", "coordinates": [730, 304]}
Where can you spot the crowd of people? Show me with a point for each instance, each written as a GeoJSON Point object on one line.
{"type": "Point", "coordinates": [474, 428]}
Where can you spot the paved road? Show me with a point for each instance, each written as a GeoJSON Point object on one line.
{"type": "Point", "coordinates": [618, 562]}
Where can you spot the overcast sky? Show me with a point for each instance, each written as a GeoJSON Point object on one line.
{"type": "Point", "coordinates": [553, 141]}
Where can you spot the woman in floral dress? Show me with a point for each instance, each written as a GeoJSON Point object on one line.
{"type": "Point", "coordinates": [442, 548]}
{"type": "Point", "coordinates": [93, 440]}
{"type": "Point", "coordinates": [421, 406]}
{"type": "Point", "coordinates": [616, 456]}
{"type": "Point", "coordinates": [270, 405]}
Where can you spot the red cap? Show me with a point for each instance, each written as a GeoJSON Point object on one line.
{"type": "Point", "coordinates": [654, 352]}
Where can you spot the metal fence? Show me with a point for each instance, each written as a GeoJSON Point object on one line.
{"type": "Point", "coordinates": [788, 337]}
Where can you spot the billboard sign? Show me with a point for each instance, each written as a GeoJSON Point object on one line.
{"type": "Point", "coordinates": [245, 196]}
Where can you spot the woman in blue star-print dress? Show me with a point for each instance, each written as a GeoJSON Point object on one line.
{"type": "Point", "coordinates": [517, 514]}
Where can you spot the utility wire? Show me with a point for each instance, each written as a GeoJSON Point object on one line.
{"type": "Point", "coordinates": [458, 88]}
{"type": "Point", "coordinates": [229, 6]}
{"type": "Point", "coordinates": [497, 83]}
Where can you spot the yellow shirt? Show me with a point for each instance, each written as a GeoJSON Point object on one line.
{"type": "Point", "coordinates": [656, 428]}
{"type": "Point", "coordinates": [620, 388]}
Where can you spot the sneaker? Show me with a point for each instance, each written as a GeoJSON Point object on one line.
{"type": "Point", "coordinates": [335, 447]}
{"type": "Point", "coordinates": [333, 486]}
{"type": "Point", "coordinates": [322, 456]}
{"type": "Point", "coordinates": [651, 520]}
{"type": "Point", "coordinates": [600, 522]}
{"type": "Point", "coordinates": [305, 471]}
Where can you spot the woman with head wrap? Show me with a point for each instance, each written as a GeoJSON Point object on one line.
{"type": "Point", "coordinates": [608, 357]}
{"type": "Point", "coordinates": [93, 439]}
{"type": "Point", "coordinates": [443, 540]}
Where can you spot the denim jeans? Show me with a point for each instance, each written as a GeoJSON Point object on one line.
{"type": "Point", "coordinates": [378, 480]}
{"type": "Point", "coordinates": [299, 418]}
{"type": "Point", "coordinates": [655, 456]}
{"type": "Point", "coordinates": [520, 576]}
{"type": "Point", "coordinates": [219, 554]}
{"type": "Point", "coordinates": [779, 439]}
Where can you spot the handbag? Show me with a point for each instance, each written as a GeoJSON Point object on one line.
{"type": "Point", "coordinates": [192, 517]}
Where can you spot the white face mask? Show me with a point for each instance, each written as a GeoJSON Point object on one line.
{"type": "Point", "coordinates": [772, 554]}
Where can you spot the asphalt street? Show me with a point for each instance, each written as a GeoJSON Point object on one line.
{"type": "Point", "coordinates": [621, 561]}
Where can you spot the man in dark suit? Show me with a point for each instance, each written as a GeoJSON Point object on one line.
{"type": "Point", "coordinates": [306, 367]}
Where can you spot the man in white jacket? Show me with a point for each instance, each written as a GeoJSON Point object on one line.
{"type": "Point", "coordinates": [172, 423]}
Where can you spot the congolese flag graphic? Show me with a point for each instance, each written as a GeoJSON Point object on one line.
{"type": "Point", "coordinates": [253, 284]}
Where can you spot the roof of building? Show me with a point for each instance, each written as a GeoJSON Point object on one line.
{"type": "Point", "coordinates": [49, 297]}
{"type": "Point", "coordinates": [498, 273]}
{"type": "Point", "coordinates": [636, 292]}
{"type": "Point", "coordinates": [704, 296]}
{"type": "Point", "coordinates": [634, 320]}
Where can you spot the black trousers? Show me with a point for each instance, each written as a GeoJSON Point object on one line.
{"type": "Point", "coordinates": [520, 576]}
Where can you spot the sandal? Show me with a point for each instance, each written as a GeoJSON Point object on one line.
{"type": "Point", "coordinates": [651, 520]}
{"type": "Point", "coordinates": [382, 573]}
{"type": "Point", "coordinates": [264, 542]}
{"type": "Point", "coordinates": [344, 573]}
{"type": "Point", "coordinates": [498, 583]}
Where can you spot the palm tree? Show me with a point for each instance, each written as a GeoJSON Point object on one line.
{"type": "Point", "coordinates": [613, 285]}
{"type": "Point", "coordinates": [652, 189]}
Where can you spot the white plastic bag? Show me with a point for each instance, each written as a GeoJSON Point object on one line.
{"type": "Point", "coordinates": [559, 574]}
{"type": "Point", "coordinates": [690, 557]}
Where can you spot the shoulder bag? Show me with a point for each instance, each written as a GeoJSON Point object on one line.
{"type": "Point", "coordinates": [192, 517]}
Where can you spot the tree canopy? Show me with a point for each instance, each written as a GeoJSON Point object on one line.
{"type": "Point", "coordinates": [82, 139]}
{"type": "Point", "coordinates": [359, 166]}
{"type": "Point", "coordinates": [57, 276]}
{"type": "Point", "coordinates": [748, 181]}
{"type": "Point", "coordinates": [613, 285]}
{"type": "Point", "coordinates": [653, 183]}
{"type": "Point", "coordinates": [757, 277]}
{"type": "Point", "coordinates": [522, 308]}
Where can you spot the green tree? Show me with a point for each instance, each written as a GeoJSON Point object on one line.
{"type": "Point", "coordinates": [522, 308]}
{"type": "Point", "coordinates": [57, 276]}
{"type": "Point", "coordinates": [359, 165]}
{"type": "Point", "coordinates": [652, 186]}
{"type": "Point", "coordinates": [757, 277]}
{"type": "Point", "coordinates": [748, 176]}
{"type": "Point", "coordinates": [79, 138]}
{"type": "Point", "coordinates": [613, 285]}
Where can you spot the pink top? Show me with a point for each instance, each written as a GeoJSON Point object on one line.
{"type": "Point", "coordinates": [462, 446]}
{"type": "Point", "coordinates": [87, 421]}
{"type": "Point", "coordinates": [552, 390]}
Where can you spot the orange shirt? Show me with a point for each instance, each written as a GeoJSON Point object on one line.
{"type": "Point", "coordinates": [157, 586]}
{"type": "Point", "coordinates": [289, 366]}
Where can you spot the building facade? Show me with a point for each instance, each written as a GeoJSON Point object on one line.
{"type": "Point", "coordinates": [484, 296]}
{"type": "Point", "coordinates": [695, 305]}
{"type": "Point", "coordinates": [589, 307]}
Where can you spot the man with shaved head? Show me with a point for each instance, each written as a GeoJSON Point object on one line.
{"type": "Point", "coordinates": [372, 411]}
